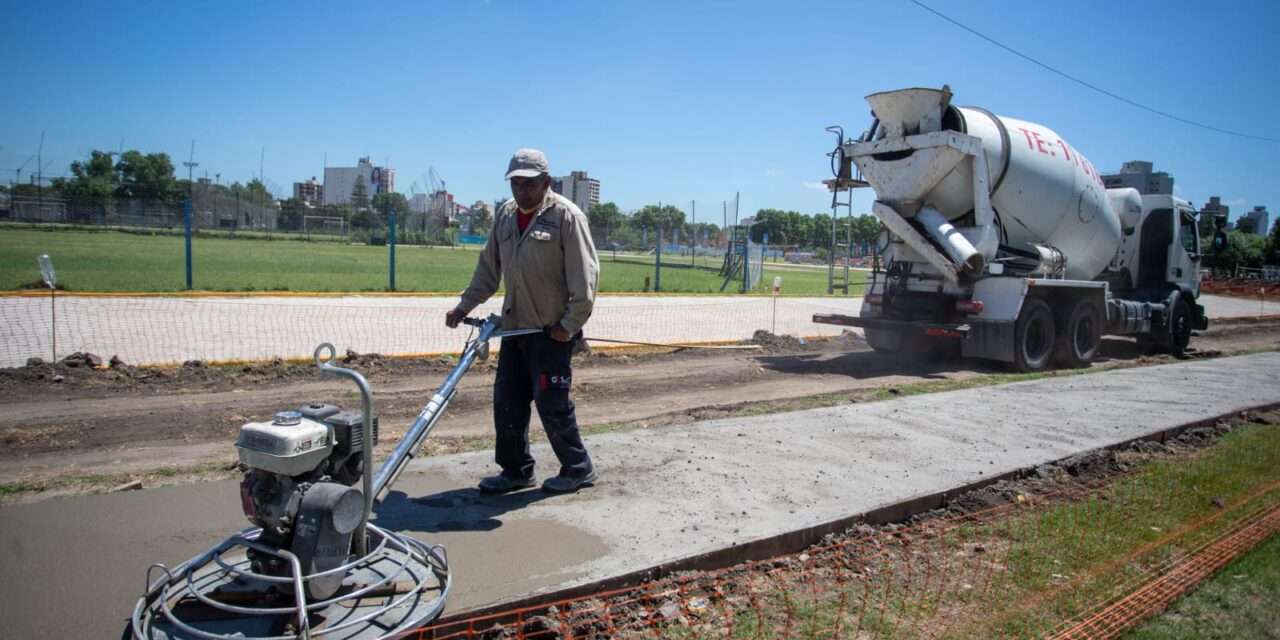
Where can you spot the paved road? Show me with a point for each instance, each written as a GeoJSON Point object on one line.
{"type": "Point", "coordinates": [170, 330]}
{"type": "Point", "coordinates": [72, 567]}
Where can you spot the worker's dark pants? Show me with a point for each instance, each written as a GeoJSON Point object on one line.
{"type": "Point", "coordinates": [536, 368]}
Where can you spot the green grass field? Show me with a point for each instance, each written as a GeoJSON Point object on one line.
{"type": "Point", "coordinates": [1239, 603]}
{"type": "Point", "coordinates": [88, 260]}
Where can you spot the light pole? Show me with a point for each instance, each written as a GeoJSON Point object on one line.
{"type": "Point", "coordinates": [191, 164]}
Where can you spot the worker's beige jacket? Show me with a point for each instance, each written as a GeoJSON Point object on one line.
{"type": "Point", "coordinates": [550, 271]}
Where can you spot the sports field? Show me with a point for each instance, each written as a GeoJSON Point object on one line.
{"type": "Point", "coordinates": [89, 260]}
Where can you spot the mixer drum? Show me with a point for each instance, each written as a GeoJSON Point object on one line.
{"type": "Point", "coordinates": [1044, 191]}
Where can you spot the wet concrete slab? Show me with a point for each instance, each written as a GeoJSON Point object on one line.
{"type": "Point", "coordinates": [74, 566]}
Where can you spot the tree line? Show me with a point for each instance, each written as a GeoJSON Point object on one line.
{"type": "Point", "coordinates": [642, 228]}
{"type": "Point", "coordinates": [105, 176]}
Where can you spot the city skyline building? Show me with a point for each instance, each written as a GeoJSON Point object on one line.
{"type": "Point", "coordinates": [1140, 175]}
{"type": "Point", "coordinates": [340, 181]}
{"type": "Point", "coordinates": [1261, 219]}
{"type": "Point", "coordinates": [580, 188]}
{"type": "Point", "coordinates": [1211, 213]}
{"type": "Point", "coordinates": [310, 192]}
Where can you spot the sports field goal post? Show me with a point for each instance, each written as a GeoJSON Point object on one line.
{"type": "Point", "coordinates": [329, 225]}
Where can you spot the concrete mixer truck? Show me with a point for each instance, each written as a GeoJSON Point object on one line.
{"type": "Point", "coordinates": [1000, 236]}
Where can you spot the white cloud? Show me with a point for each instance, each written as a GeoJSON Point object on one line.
{"type": "Point", "coordinates": [1236, 202]}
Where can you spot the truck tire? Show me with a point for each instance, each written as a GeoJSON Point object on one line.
{"type": "Point", "coordinates": [1033, 338]}
{"type": "Point", "coordinates": [1179, 327]}
{"type": "Point", "coordinates": [1080, 337]}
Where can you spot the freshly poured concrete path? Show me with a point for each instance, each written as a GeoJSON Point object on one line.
{"type": "Point", "coordinates": [73, 567]}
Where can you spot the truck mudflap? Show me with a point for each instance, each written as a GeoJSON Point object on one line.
{"type": "Point", "coordinates": [907, 327]}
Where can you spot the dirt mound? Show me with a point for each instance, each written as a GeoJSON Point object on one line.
{"type": "Point", "coordinates": [773, 343]}
{"type": "Point", "coordinates": [78, 372]}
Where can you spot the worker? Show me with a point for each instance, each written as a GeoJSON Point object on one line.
{"type": "Point", "coordinates": [540, 247]}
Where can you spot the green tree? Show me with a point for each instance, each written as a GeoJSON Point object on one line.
{"type": "Point", "coordinates": [866, 228]}
{"type": "Point", "coordinates": [94, 181]}
{"type": "Point", "coordinates": [255, 191]}
{"type": "Point", "coordinates": [360, 195]}
{"type": "Point", "coordinates": [384, 203]}
{"type": "Point", "coordinates": [655, 218]}
{"type": "Point", "coordinates": [148, 176]}
{"type": "Point", "coordinates": [605, 218]}
{"type": "Point", "coordinates": [481, 220]}
{"type": "Point", "coordinates": [1273, 245]}
{"type": "Point", "coordinates": [705, 232]}
{"type": "Point", "coordinates": [1243, 250]}
{"type": "Point", "coordinates": [819, 232]}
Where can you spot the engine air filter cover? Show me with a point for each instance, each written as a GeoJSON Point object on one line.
{"type": "Point", "coordinates": [288, 449]}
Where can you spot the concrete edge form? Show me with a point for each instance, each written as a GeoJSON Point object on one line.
{"type": "Point", "coordinates": [800, 539]}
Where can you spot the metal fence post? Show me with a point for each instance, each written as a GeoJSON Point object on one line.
{"type": "Point", "coordinates": [186, 223]}
{"type": "Point", "coordinates": [50, 278]}
{"type": "Point", "coordinates": [657, 271]}
{"type": "Point", "coordinates": [391, 241]}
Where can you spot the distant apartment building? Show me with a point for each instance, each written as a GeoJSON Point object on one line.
{"type": "Point", "coordinates": [310, 192]}
{"type": "Point", "coordinates": [419, 203]}
{"type": "Point", "coordinates": [1261, 220]}
{"type": "Point", "coordinates": [582, 190]}
{"type": "Point", "coordinates": [1139, 174]}
{"type": "Point", "coordinates": [340, 181]}
{"type": "Point", "coordinates": [1215, 209]}
{"type": "Point", "coordinates": [1211, 213]}
{"type": "Point", "coordinates": [437, 208]}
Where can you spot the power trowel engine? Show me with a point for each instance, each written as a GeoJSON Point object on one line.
{"type": "Point", "coordinates": [298, 485]}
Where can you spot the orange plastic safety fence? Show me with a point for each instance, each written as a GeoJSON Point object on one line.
{"type": "Point", "coordinates": [1155, 595]}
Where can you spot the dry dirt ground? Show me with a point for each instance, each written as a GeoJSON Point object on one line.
{"type": "Point", "coordinates": [175, 424]}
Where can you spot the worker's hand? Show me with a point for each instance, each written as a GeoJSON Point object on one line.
{"type": "Point", "coordinates": [453, 317]}
{"type": "Point", "coordinates": [560, 334]}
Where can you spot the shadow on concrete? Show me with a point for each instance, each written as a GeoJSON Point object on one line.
{"type": "Point", "coordinates": [454, 510]}
{"type": "Point", "coordinates": [930, 365]}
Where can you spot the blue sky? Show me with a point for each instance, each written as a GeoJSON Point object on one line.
{"type": "Point", "coordinates": [661, 101]}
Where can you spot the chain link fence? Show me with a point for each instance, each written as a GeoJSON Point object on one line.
{"type": "Point", "coordinates": [167, 330]}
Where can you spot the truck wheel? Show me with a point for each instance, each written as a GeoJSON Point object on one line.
{"type": "Point", "coordinates": [1179, 327]}
{"type": "Point", "coordinates": [1079, 340]}
{"type": "Point", "coordinates": [1033, 336]}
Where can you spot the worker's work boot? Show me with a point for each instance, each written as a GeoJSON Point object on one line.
{"type": "Point", "coordinates": [568, 484]}
{"type": "Point", "coordinates": [503, 483]}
